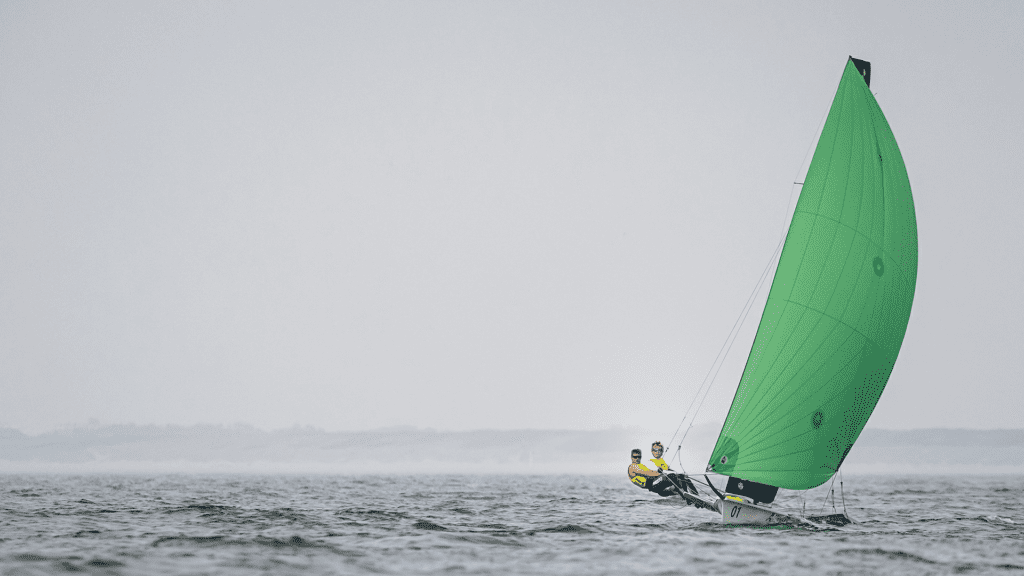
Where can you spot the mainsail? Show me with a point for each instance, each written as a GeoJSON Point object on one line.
{"type": "Point", "coordinates": [838, 307]}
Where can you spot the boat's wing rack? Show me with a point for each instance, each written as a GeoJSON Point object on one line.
{"type": "Point", "coordinates": [699, 502]}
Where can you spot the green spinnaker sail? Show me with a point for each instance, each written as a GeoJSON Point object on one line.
{"type": "Point", "coordinates": [838, 307]}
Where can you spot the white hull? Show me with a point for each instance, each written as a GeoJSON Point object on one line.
{"type": "Point", "coordinates": [745, 514]}
{"type": "Point", "coordinates": [737, 513]}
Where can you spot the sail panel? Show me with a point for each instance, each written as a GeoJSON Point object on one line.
{"type": "Point", "coordinates": [838, 308]}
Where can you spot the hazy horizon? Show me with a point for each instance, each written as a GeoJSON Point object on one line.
{"type": "Point", "coordinates": [245, 449]}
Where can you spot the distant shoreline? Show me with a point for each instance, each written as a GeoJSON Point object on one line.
{"type": "Point", "coordinates": [249, 450]}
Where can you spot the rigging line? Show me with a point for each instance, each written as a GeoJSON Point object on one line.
{"type": "Point", "coordinates": [705, 484]}
{"type": "Point", "coordinates": [713, 489]}
{"type": "Point", "coordinates": [677, 486]}
{"type": "Point", "coordinates": [838, 318]}
{"type": "Point", "coordinates": [841, 494]}
{"type": "Point", "coordinates": [787, 221]}
{"type": "Point", "coordinates": [711, 369]}
{"type": "Point", "coordinates": [832, 149]}
{"type": "Point", "coordinates": [787, 218]}
{"type": "Point", "coordinates": [695, 481]}
{"type": "Point", "coordinates": [766, 401]}
{"type": "Point", "coordinates": [822, 315]}
{"type": "Point", "coordinates": [686, 476]}
{"type": "Point", "coordinates": [679, 456]}
{"type": "Point", "coordinates": [803, 501]}
{"type": "Point", "coordinates": [743, 312]}
{"type": "Point", "coordinates": [814, 142]}
{"type": "Point", "coordinates": [825, 501]}
{"type": "Point", "coordinates": [762, 415]}
{"type": "Point", "coordinates": [734, 334]}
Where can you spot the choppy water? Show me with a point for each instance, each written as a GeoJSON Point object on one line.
{"type": "Point", "coordinates": [488, 525]}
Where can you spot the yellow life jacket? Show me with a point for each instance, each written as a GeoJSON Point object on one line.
{"type": "Point", "coordinates": [640, 480]}
{"type": "Point", "coordinates": [660, 463]}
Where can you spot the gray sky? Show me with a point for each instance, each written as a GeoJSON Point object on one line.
{"type": "Point", "coordinates": [469, 215]}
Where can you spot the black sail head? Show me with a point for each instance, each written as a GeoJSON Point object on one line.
{"type": "Point", "coordinates": [864, 67]}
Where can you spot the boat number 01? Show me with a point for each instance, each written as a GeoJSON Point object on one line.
{"type": "Point", "coordinates": [735, 512]}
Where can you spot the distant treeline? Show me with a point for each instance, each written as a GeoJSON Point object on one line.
{"type": "Point", "coordinates": [393, 449]}
{"type": "Point", "coordinates": [941, 437]}
{"type": "Point", "coordinates": [246, 448]}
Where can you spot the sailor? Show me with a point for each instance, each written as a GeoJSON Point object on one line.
{"type": "Point", "coordinates": [680, 480]}
{"type": "Point", "coordinates": [646, 478]}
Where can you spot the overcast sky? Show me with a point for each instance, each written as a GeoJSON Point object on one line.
{"type": "Point", "coordinates": [473, 215]}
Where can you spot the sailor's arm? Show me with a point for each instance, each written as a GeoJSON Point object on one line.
{"type": "Point", "coordinates": [638, 470]}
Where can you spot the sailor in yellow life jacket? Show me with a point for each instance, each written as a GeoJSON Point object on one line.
{"type": "Point", "coordinates": [679, 480]}
{"type": "Point", "coordinates": [646, 478]}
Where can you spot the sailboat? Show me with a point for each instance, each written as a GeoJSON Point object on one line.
{"type": "Point", "coordinates": [834, 320]}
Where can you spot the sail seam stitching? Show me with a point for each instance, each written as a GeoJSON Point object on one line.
{"type": "Point", "coordinates": [769, 447]}
{"type": "Point", "coordinates": [795, 408]}
{"type": "Point", "coordinates": [766, 401]}
{"type": "Point", "coordinates": [793, 392]}
{"type": "Point", "coordinates": [762, 406]}
{"type": "Point", "coordinates": [881, 248]}
{"type": "Point", "coordinates": [833, 318]}
{"type": "Point", "coordinates": [742, 391]}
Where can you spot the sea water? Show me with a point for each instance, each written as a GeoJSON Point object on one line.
{"type": "Point", "coordinates": [492, 525]}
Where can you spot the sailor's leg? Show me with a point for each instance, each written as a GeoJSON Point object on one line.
{"type": "Point", "coordinates": [666, 491]}
{"type": "Point", "coordinates": [663, 487]}
{"type": "Point", "coordinates": [677, 480]}
{"type": "Point", "coordinates": [683, 483]}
